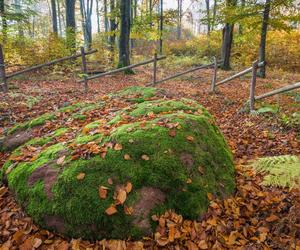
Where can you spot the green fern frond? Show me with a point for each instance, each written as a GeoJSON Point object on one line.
{"type": "Point", "coordinates": [280, 171]}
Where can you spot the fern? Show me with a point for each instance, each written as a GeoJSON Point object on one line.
{"type": "Point", "coordinates": [280, 171]}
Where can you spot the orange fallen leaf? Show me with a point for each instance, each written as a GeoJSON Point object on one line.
{"type": "Point", "coordinates": [80, 176]}
{"type": "Point", "coordinates": [127, 157]}
{"type": "Point", "coordinates": [272, 218]}
{"type": "Point", "coordinates": [37, 242]}
{"type": "Point", "coordinates": [128, 187]}
{"type": "Point", "coordinates": [189, 181]}
{"type": "Point", "coordinates": [190, 138]}
{"type": "Point", "coordinates": [103, 192]}
{"type": "Point", "coordinates": [60, 160]}
{"type": "Point", "coordinates": [203, 245]}
{"type": "Point", "coordinates": [128, 210]}
{"type": "Point", "coordinates": [111, 210]}
{"type": "Point", "coordinates": [121, 196]}
{"type": "Point", "coordinates": [118, 147]}
{"type": "Point", "coordinates": [201, 170]}
{"type": "Point", "coordinates": [210, 196]}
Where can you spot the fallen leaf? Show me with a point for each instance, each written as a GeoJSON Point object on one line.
{"type": "Point", "coordinates": [272, 218]}
{"type": "Point", "coordinates": [111, 210]}
{"type": "Point", "coordinates": [172, 132]}
{"type": "Point", "coordinates": [103, 192]}
{"type": "Point", "coordinates": [60, 160]}
{"type": "Point", "coordinates": [202, 244]}
{"type": "Point", "coordinates": [118, 147]}
{"type": "Point", "coordinates": [201, 170]}
{"type": "Point", "coordinates": [80, 176]}
{"type": "Point", "coordinates": [190, 138]}
{"type": "Point", "coordinates": [189, 181]}
{"type": "Point", "coordinates": [110, 181]}
{"type": "Point", "coordinates": [128, 187]}
{"type": "Point", "coordinates": [37, 242]}
{"type": "Point", "coordinates": [127, 157]}
{"type": "Point", "coordinates": [128, 210]}
{"type": "Point", "coordinates": [145, 157]}
{"type": "Point", "coordinates": [121, 196]}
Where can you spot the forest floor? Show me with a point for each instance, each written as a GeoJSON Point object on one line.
{"type": "Point", "coordinates": [257, 217]}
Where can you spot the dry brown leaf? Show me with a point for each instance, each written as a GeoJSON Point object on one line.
{"type": "Point", "coordinates": [201, 170]}
{"type": "Point", "coordinates": [63, 246]}
{"type": "Point", "coordinates": [121, 196]}
{"type": "Point", "coordinates": [272, 218]}
{"type": "Point", "coordinates": [103, 192]}
{"type": "Point", "coordinates": [118, 147]}
{"type": "Point", "coordinates": [60, 160]}
{"type": "Point", "coordinates": [189, 181]}
{"type": "Point", "coordinates": [128, 210]}
{"type": "Point", "coordinates": [111, 210]}
{"type": "Point", "coordinates": [172, 132]}
{"type": "Point", "coordinates": [190, 138]}
{"type": "Point", "coordinates": [127, 157]}
{"type": "Point", "coordinates": [37, 242]}
{"type": "Point", "coordinates": [203, 245]}
{"type": "Point", "coordinates": [80, 176]}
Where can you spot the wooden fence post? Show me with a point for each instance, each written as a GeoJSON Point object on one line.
{"type": "Point", "coordinates": [154, 68]}
{"type": "Point", "coordinates": [84, 69]}
{"type": "Point", "coordinates": [253, 85]}
{"type": "Point", "coordinates": [3, 82]}
{"type": "Point", "coordinates": [214, 79]}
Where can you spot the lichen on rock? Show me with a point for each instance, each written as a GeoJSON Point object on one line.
{"type": "Point", "coordinates": [134, 160]}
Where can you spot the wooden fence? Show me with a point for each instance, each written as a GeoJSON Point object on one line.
{"type": "Point", "coordinates": [154, 61]}
{"type": "Point", "coordinates": [4, 77]}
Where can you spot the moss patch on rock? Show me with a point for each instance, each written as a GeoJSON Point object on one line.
{"type": "Point", "coordinates": [112, 177]}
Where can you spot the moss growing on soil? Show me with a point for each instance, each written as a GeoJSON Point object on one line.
{"type": "Point", "coordinates": [173, 159]}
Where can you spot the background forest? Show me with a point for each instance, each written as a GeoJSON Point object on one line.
{"type": "Point", "coordinates": [188, 31]}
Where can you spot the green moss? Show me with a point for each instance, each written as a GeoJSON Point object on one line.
{"type": "Point", "coordinates": [136, 93]}
{"type": "Point", "coordinates": [41, 120]}
{"type": "Point", "coordinates": [79, 117]}
{"type": "Point", "coordinates": [70, 108]}
{"type": "Point", "coordinates": [173, 160]}
{"type": "Point", "coordinates": [82, 139]}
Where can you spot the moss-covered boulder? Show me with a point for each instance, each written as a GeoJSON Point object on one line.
{"type": "Point", "coordinates": [106, 177]}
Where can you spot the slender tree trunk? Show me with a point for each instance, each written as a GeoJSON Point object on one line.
{"type": "Point", "coordinates": [98, 16]}
{"type": "Point", "coordinates": [263, 39]}
{"type": "Point", "coordinates": [240, 26]}
{"type": "Point", "coordinates": [59, 18]}
{"type": "Point", "coordinates": [150, 12]}
{"type": "Point", "coordinates": [161, 28]}
{"type": "Point", "coordinates": [208, 16]}
{"type": "Point", "coordinates": [4, 20]}
{"type": "Point", "coordinates": [105, 16]}
{"type": "Point", "coordinates": [70, 25]}
{"type": "Point", "coordinates": [113, 27]}
{"type": "Point", "coordinates": [179, 19]}
{"type": "Point", "coordinates": [124, 47]}
{"type": "Point", "coordinates": [18, 11]}
{"type": "Point", "coordinates": [213, 23]}
{"type": "Point", "coordinates": [54, 17]}
{"type": "Point", "coordinates": [86, 8]}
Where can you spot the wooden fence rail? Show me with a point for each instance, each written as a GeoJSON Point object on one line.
{"type": "Point", "coordinates": [154, 60]}
{"type": "Point", "coordinates": [181, 74]}
{"type": "Point", "coordinates": [4, 77]}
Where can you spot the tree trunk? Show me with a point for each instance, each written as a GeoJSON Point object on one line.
{"type": "Point", "coordinates": [105, 16]}
{"type": "Point", "coordinates": [240, 26]}
{"type": "Point", "coordinates": [208, 16]}
{"type": "Point", "coordinates": [226, 45]}
{"type": "Point", "coordinates": [18, 11]}
{"type": "Point", "coordinates": [70, 25]}
{"type": "Point", "coordinates": [98, 16]}
{"type": "Point", "coordinates": [161, 28]}
{"type": "Point", "coordinates": [124, 47]}
{"type": "Point", "coordinates": [263, 38]}
{"type": "Point", "coordinates": [179, 19]}
{"type": "Point", "coordinates": [54, 17]}
{"type": "Point", "coordinates": [213, 23]}
{"type": "Point", "coordinates": [86, 8]}
{"type": "Point", "coordinates": [4, 20]}
{"type": "Point", "coordinates": [59, 18]}
{"type": "Point", "coordinates": [113, 27]}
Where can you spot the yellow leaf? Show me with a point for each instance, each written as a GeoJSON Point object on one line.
{"type": "Point", "coordinates": [128, 210]}
{"type": "Point", "coordinates": [272, 218]}
{"type": "Point", "coordinates": [80, 176]}
{"type": "Point", "coordinates": [203, 245]}
{"type": "Point", "coordinates": [122, 196]}
{"type": "Point", "coordinates": [60, 161]}
{"type": "Point", "coordinates": [111, 210]}
{"type": "Point", "coordinates": [189, 181]}
{"type": "Point", "coordinates": [128, 187]}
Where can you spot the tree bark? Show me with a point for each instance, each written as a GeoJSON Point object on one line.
{"type": "Point", "coordinates": [59, 18]}
{"type": "Point", "coordinates": [86, 8]}
{"type": "Point", "coordinates": [70, 25]}
{"type": "Point", "coordinates": [124, 46]}
{"type": "Point", "coordinates": [213, 23]}
{"type": "Point", "coordinates": [4, 20]}
{"type": "Point", "coordinates": [105, 16]}
{"type": "Point", "coordinates": [208, 16]}
{"type": "Point", "coordinates": [113, 27]}
{"type": "Point", "coordinates": [161, 28]}
{"type": "Point", "coordinates": [54, 17]}
{"type": "Point", "coordinates": [263, 38]}
{"type": "Point", "coordinates": [98, 16]}
{"type": "Point", "coordinates": [179, 19]}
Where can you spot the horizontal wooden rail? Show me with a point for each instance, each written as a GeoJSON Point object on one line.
{"type": "Point", "coordinates": [278, 91]}
{"type": "Point", "coordinates": [49, 63]}
{"type": "Point", "coordinates": [123, 69]}
{"type": "Point", "coordinates": [244, 72]}
{"type": "Point", "coordinates": [180, 74]}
